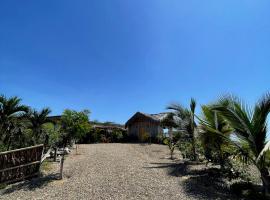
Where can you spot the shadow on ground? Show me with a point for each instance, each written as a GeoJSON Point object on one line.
{"type": "Point", "coordinates": [32, 184]}
{"type": "Point", "coordinates": [198, 180]}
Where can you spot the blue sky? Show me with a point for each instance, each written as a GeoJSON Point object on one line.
{"type": "Point", "coordinates": [116, 57]}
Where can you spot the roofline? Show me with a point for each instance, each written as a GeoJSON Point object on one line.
{"type": "Point", "coordinates": [141, 113]}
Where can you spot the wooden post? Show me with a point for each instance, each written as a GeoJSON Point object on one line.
{"type": "Point", "coordinates": [55, 154]}
{"type": "Point", "coordinates": [61, 166]}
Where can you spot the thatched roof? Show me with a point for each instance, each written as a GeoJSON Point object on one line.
{"type": "Point", "coordinates": [107, 127]}
{"type": "Point", "coordinates": [156, 118]}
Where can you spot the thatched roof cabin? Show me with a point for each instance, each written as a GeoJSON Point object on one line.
{"type": "Point", "coordinates": [142, 125]}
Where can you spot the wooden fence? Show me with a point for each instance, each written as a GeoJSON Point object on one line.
{"type": "Point", "coordinates": [20, 164]}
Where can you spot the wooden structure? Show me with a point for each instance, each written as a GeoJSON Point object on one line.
{"type": "Point", "coordinates": [108, 128]}
{"type": "Point", "coordinates": [142, 124]}
{"type": "Point", "coordinates": [20, 164]}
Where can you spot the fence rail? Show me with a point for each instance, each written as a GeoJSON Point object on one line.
{"type": "Point", "coordinates": [20, 164]}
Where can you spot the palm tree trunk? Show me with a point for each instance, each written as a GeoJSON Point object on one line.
{"type": "Point", "coordinates": [195, 157]}
{"type": "Point", "coordinates": [8, 144]}
{"type": "Point", "coordinates": [265, 180]}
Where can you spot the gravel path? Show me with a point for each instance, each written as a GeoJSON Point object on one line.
{"type": "Point", "coordinates": [107, 171]}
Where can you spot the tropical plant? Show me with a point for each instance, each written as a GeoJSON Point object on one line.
{"type": "Point", "coordinates": [171, 144]}
{"type": "Point", "coordinates": [11, 111]}
{"type": "Point", "coordinates": [37, 121]}
{"type": "Point", "coordinates": [250, 127]}
{"type": "Point", "coordinates": [74, 125]}
{"type": "Point", "coordinates": [184, 122]}
{"type": "Point", "coordinates": [214, 144]}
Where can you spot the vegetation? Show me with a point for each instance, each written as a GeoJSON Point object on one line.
{"type": "Point", "coordinates": [170, 143]}
{"type": "Point", "coordinates": [227, 133]}
{"type": "Point", "coordinates": [103, 135]}
{"type": "Point", "coordinates": [22, 126]}
{"type": "Point", "coordinates": [37, 121]}
{"type": "Point", "coordinates": [216, 147]}
{"type": "Point", "coordinates": [183, 119]}
{"type": "Point", "coordinates": [250, 128]}
{"type": "Point", "coordinates": [75, 125]}
{"type": "Point", "coordinates": [11, 112]}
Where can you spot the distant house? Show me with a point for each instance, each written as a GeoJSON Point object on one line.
{"type": "Point", "coordinates": [141, 124]}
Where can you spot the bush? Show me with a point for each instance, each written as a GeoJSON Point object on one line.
{"type": "Point", "coordinates": [104, 136]}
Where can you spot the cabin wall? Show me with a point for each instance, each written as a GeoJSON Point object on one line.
{"type": "Point", "coordinates": [137, 128]}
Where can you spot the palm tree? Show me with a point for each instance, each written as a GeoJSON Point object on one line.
{"type": "Point", "coordinates": [184, 120]}
{"type": "Point", "coordinates": [37, 119]}
{"type": "Point", "coordinates": [11, 110]}
{"type": "Point", "coordinates": [210, 124]}
{"type": "Point", "coordinates": [250, 126]}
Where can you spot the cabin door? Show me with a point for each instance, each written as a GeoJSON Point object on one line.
{"type": "Point", "coordinates": [142, 134]}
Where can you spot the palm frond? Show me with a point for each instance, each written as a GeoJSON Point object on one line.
{"type": "Point", "coordinates": [259, 121]}
{"type": "Point", "coordinates": [192, 105]}
{"type": "Point", "coordinates": [263, 151]}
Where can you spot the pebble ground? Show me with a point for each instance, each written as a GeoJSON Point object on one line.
{"type": "Point", "coordinates": [106, 171]}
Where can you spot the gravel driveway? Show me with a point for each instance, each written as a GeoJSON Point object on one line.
{"type": "Point", "coordinates": [107, 171]}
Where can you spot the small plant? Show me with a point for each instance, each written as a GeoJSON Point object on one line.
{"type": "Point", "coordinates": [169, 142]}
{"type": "Point", "coordinates": [185, 148]}
{"type": "Point", "coordinates": [3, 186]}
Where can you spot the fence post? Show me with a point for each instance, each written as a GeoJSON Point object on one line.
{"type": "Point", "coordinates": [55, 154]}
{"type": "Point", "coordinates": [61, 166]}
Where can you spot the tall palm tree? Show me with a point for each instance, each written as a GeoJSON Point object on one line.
{"type": "Point", "coordinates": [37, 119]}
{"type": "Point", "coordinates": [11, 110]}
{"type": "Point", "coordinates": [184, 120]}
{"type": "Point", "coordinates": [250, 126]}
{"type": "Point", "coordinates": [210, 124]}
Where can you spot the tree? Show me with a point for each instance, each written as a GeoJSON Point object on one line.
{"type": "Point", "coordinates": [11, 110]}
{"type": "Point", "coordinates": [74, 125]}
{"type": "Point", "coordinates": [250, 127]}
{"type": "Point", "coordinates": [37, 121]}
{"type": "Point", "coordinates": [184, 121]}
{"type": "Point", "coordinates": [210, 124]}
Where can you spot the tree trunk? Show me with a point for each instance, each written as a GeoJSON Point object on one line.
{"type": "Point", "coordinates": [195, 157]}
{"type": "Point", "coordinates": [171, 154]}
{"type": "Point", "coordinates": [266, 181]}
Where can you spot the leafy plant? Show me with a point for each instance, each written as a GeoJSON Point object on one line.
{"type": "Point", "coordinates": [169, 142]}
{"type": "Point", "coordinates": [11, 112]}
{"type": "Point", "coordinates": [184, 121]}
{"type": "Point", "coordinates": [250, 126]}
{"type": "Point", "coordinates": [37, 120]}
{"type": "Point", "coordinates": [74, 125]}
{"type": "Point", "coordinates": [215, 145]}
